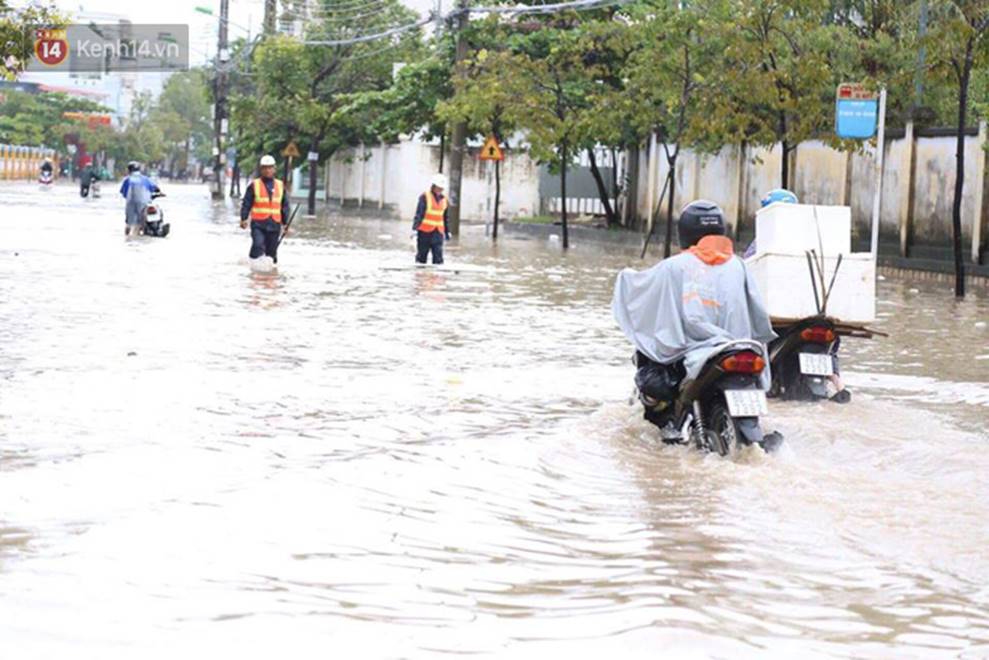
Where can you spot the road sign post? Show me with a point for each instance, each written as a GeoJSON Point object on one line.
{"type": "Point", "coordinates": [860, 114]}
{"type": "Point", "coordinates": [491, 151]}
{"type": "Point", "coordinates": [290, 152]}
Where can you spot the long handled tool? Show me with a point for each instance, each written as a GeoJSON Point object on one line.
{"type": "Point", "coordinates": [655, 213]}
{"type": "Point", "coordinates": [287, 225]}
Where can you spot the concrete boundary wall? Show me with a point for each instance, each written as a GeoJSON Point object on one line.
{"type": "Point", "coordinates": [392, 176]}
{"type": "Point", "coordinates": [917, 188]}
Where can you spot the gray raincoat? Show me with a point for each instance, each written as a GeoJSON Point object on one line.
{"type": "Point", "coordinates": [684, 308]}
{"type": "Point", "coordinates": [138, 198]}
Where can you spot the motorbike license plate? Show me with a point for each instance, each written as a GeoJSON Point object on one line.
{"type": "Point", "coordinates": [816, 364]}
{"type": "Point", "coordinates": [746, 403]}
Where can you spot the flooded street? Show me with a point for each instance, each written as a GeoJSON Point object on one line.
{"type": "Point", "coordinates": [353, 459]}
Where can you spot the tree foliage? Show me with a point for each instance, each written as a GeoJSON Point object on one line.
{"type": "Point", "coordinates": [17, 34]}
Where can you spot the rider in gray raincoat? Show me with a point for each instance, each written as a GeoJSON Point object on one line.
{"type": "Point", "coordinates": [684, 309]}
{"type": "Point", "coordinates": [136, 189]}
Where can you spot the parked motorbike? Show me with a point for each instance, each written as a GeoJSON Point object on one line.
{"type": "Point", "coordinates": [154, 219]}
{"type": "Point", "coordinates": [804, 359]}
{"type": "Point", "coordinates": [719, 410]}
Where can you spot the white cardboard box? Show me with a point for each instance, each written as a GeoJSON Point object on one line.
{"type": "Point", "coordinates": [793, 229]}
{"type": "Point", "coordinates": [784, 283]}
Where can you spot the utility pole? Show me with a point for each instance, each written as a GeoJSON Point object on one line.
{"type": "Point", "coordinates": [459, 137]}
{"type": "Point", "coordinates": [270, 7]}
{"type": "Point", "coordinates": [220, 110]}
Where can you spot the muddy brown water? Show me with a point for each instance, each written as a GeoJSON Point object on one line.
{"type": "Point", "coordinates": [349, 456]}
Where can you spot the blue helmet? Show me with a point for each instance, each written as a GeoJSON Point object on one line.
{"type": "Point", "coordinates": [779, 195]}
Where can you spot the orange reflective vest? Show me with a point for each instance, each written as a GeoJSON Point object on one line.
{"type": "Point", "coordinates": [265, 207]}
{"type": "Point", "coordinates": [432, 220]}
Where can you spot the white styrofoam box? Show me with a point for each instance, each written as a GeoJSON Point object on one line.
{"type": "Point", "coordinates": [793, 229]}
{"type": "Point", "coordinates": [784, 282]}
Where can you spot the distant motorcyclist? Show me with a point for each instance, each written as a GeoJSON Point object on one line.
{"type": "Point", "coordinates": [680, 311]}
{"type": "Point", "coordinates": [137, 190]}
{"type": "Point", "coordinates": [86, 179]}
{"type": "Point", "coordinates": [784, 196]}
{"type": "Point", "coordinates": [47, 170]}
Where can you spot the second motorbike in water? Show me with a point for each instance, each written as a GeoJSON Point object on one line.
{"type": "Point", "coordinates": [154, 219]}
{"type": "Point", "coordinates": [804, 361]}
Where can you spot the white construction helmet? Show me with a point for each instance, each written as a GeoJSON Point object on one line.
{"type": "Point", "coordinates": [438, 181]}
{"type": "Point", "coordinates": [267, 160]}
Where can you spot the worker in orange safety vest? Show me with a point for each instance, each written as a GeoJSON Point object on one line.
{"type": "Point", "coordinates": [265, 206]}
{"type": "Point", "coordinates": [430, 222]}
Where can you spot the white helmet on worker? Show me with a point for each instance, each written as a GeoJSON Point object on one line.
{"type": "Point", "coordinates": [438, 181]}
{"type": "Point", "coordinates": [267, 160]}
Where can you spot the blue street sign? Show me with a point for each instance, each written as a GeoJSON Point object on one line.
{"type": "Point", "coordinates": [856, 119]}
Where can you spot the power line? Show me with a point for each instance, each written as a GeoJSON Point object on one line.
{"type": "Point", "coordinates": [360, 5]}
{"type": "Point", "coordinates": [578, 5]}
{"type": "Point", "coordinates": [370, 37]}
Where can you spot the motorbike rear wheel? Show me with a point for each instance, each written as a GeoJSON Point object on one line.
{"type": "Point", "coordinates": [724, 435]}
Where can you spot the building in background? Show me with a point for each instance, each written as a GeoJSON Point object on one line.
{"type": "Point", "coordinates": [116, 90]}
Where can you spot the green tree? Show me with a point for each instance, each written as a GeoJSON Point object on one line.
{"type": "Point", "coordinates": [39, 119]}
{"type": "Point", "coordinates": [301, 88]}
{"type": "Point", "coordinates": [142, 138]}
{"type": "Point", "coordinates": [183, 114]}
{"type": "Point", "coordinates": [673, 89]}
{"type": "Point", "coordinates": [959, 43]}
{"type": "Point", "coordinates": [608, 42]}
{"type": "Point", "coordinates": [488, 101]}
{"type": "Point", "coordinates": [778, 74]}
{"type": "Point", "coordinates": [17, 35]}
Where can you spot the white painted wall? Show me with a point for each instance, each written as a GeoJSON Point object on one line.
{"type": "Point", "coordinates": [820, 178]}
{"type": "Point", "coordinates": [407, 168]}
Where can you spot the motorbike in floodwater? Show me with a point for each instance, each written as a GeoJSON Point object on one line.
{"type": "Point", "coordinates": [803, 359]}
{"type": "Point", "coordinates": [719, 410]}
{"type": "Point", "coordinates": [46, 179]}
{"type": "Point", "coordinates": [154, 218]}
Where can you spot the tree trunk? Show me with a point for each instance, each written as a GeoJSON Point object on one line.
{"type": "Point", "coordinates": [313, 175]}
{"type": "Point", "coordinates": [956, 210]}
{"type": "Point", "coordinates": [602, 189]}
{"type": "Point", "coordinates": [442, 150]}
{"type": "Point", "coordinates": [497, 199]}
{"type": "Point", "coordinates": [563, 192]}
{"type": "Point", "coordinates": [615, 190]}
{"type": "Point", "coordinates": [668, 242]}
{"type": "Point", "coordinates": [188, 153]}
{"type": "Point", "coordinates": [785, 174]}
{"type": "Point", "coordinates": [630, 209]}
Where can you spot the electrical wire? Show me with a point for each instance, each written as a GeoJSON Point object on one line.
{"type": "Point", "coordinates": [540, 9]}
{"type": "Point", "coordinates": [370, 37]}
{"type": "Point", "coordinates": [578, 5]}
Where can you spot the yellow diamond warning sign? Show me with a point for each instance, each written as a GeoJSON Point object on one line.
{"type": "Point", "coordinates": [491, 150]}
{"type": "Point", "coordinates": [291, 151]}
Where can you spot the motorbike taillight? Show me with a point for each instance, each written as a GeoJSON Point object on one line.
{"type": "Point", "coordinates": [817, 334]}
{"type": "Point", "coordinates": [745, 362]}
{"type": "Point", "coordinates": [152, 210]}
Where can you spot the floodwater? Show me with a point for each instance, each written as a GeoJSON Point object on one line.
{"type": "Point", "coordinates": [356, 460]}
